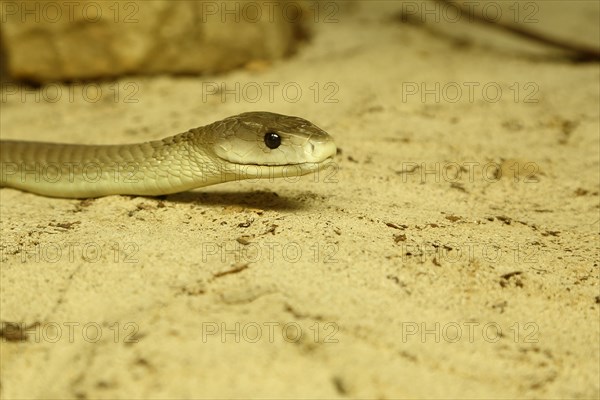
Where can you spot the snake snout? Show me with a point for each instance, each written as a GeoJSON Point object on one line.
{"type": "Point", "coordinates": [322, 151]}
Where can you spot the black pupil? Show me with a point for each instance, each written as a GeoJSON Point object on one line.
{"type": "Point", "coordinates": [272, 140]}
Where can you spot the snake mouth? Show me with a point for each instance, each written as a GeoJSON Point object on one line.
{"type": "Point", "coordinates": [268, 171]}
{"type": "Point", "coordinates": [293, 165]}
{"type": "Point", "coordinates": [327, 160]}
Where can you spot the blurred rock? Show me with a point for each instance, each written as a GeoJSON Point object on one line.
{"type": "Point", "coordinates": [77, 40]}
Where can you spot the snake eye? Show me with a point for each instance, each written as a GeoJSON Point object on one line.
{"type": "Point", "coordinates": [272, 140]}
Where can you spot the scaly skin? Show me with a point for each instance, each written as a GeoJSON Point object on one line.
{"type": "Point", "coordinates": [226, 150]}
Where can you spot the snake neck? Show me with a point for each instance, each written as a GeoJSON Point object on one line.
{"type": "Point", "coordinates": [152, 168]}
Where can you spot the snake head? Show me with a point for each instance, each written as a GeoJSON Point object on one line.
{"type": "Point", "coordinates": [272, 141]}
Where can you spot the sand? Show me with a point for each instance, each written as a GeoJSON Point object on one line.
{"type": "Point", "coordinates": [451, 251]}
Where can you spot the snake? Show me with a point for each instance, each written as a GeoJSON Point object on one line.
{"type": "Point", "coordinates": [252, 145]}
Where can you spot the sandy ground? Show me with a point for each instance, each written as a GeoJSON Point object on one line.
{"type": "Point", "coordinates": [452, 251]}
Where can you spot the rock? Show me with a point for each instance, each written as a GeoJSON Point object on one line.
{"type": "Point", "coordinates": [47, 41]}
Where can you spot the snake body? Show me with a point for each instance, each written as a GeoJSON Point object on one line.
{"type": "Point", "coordinates": [254, 145]}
